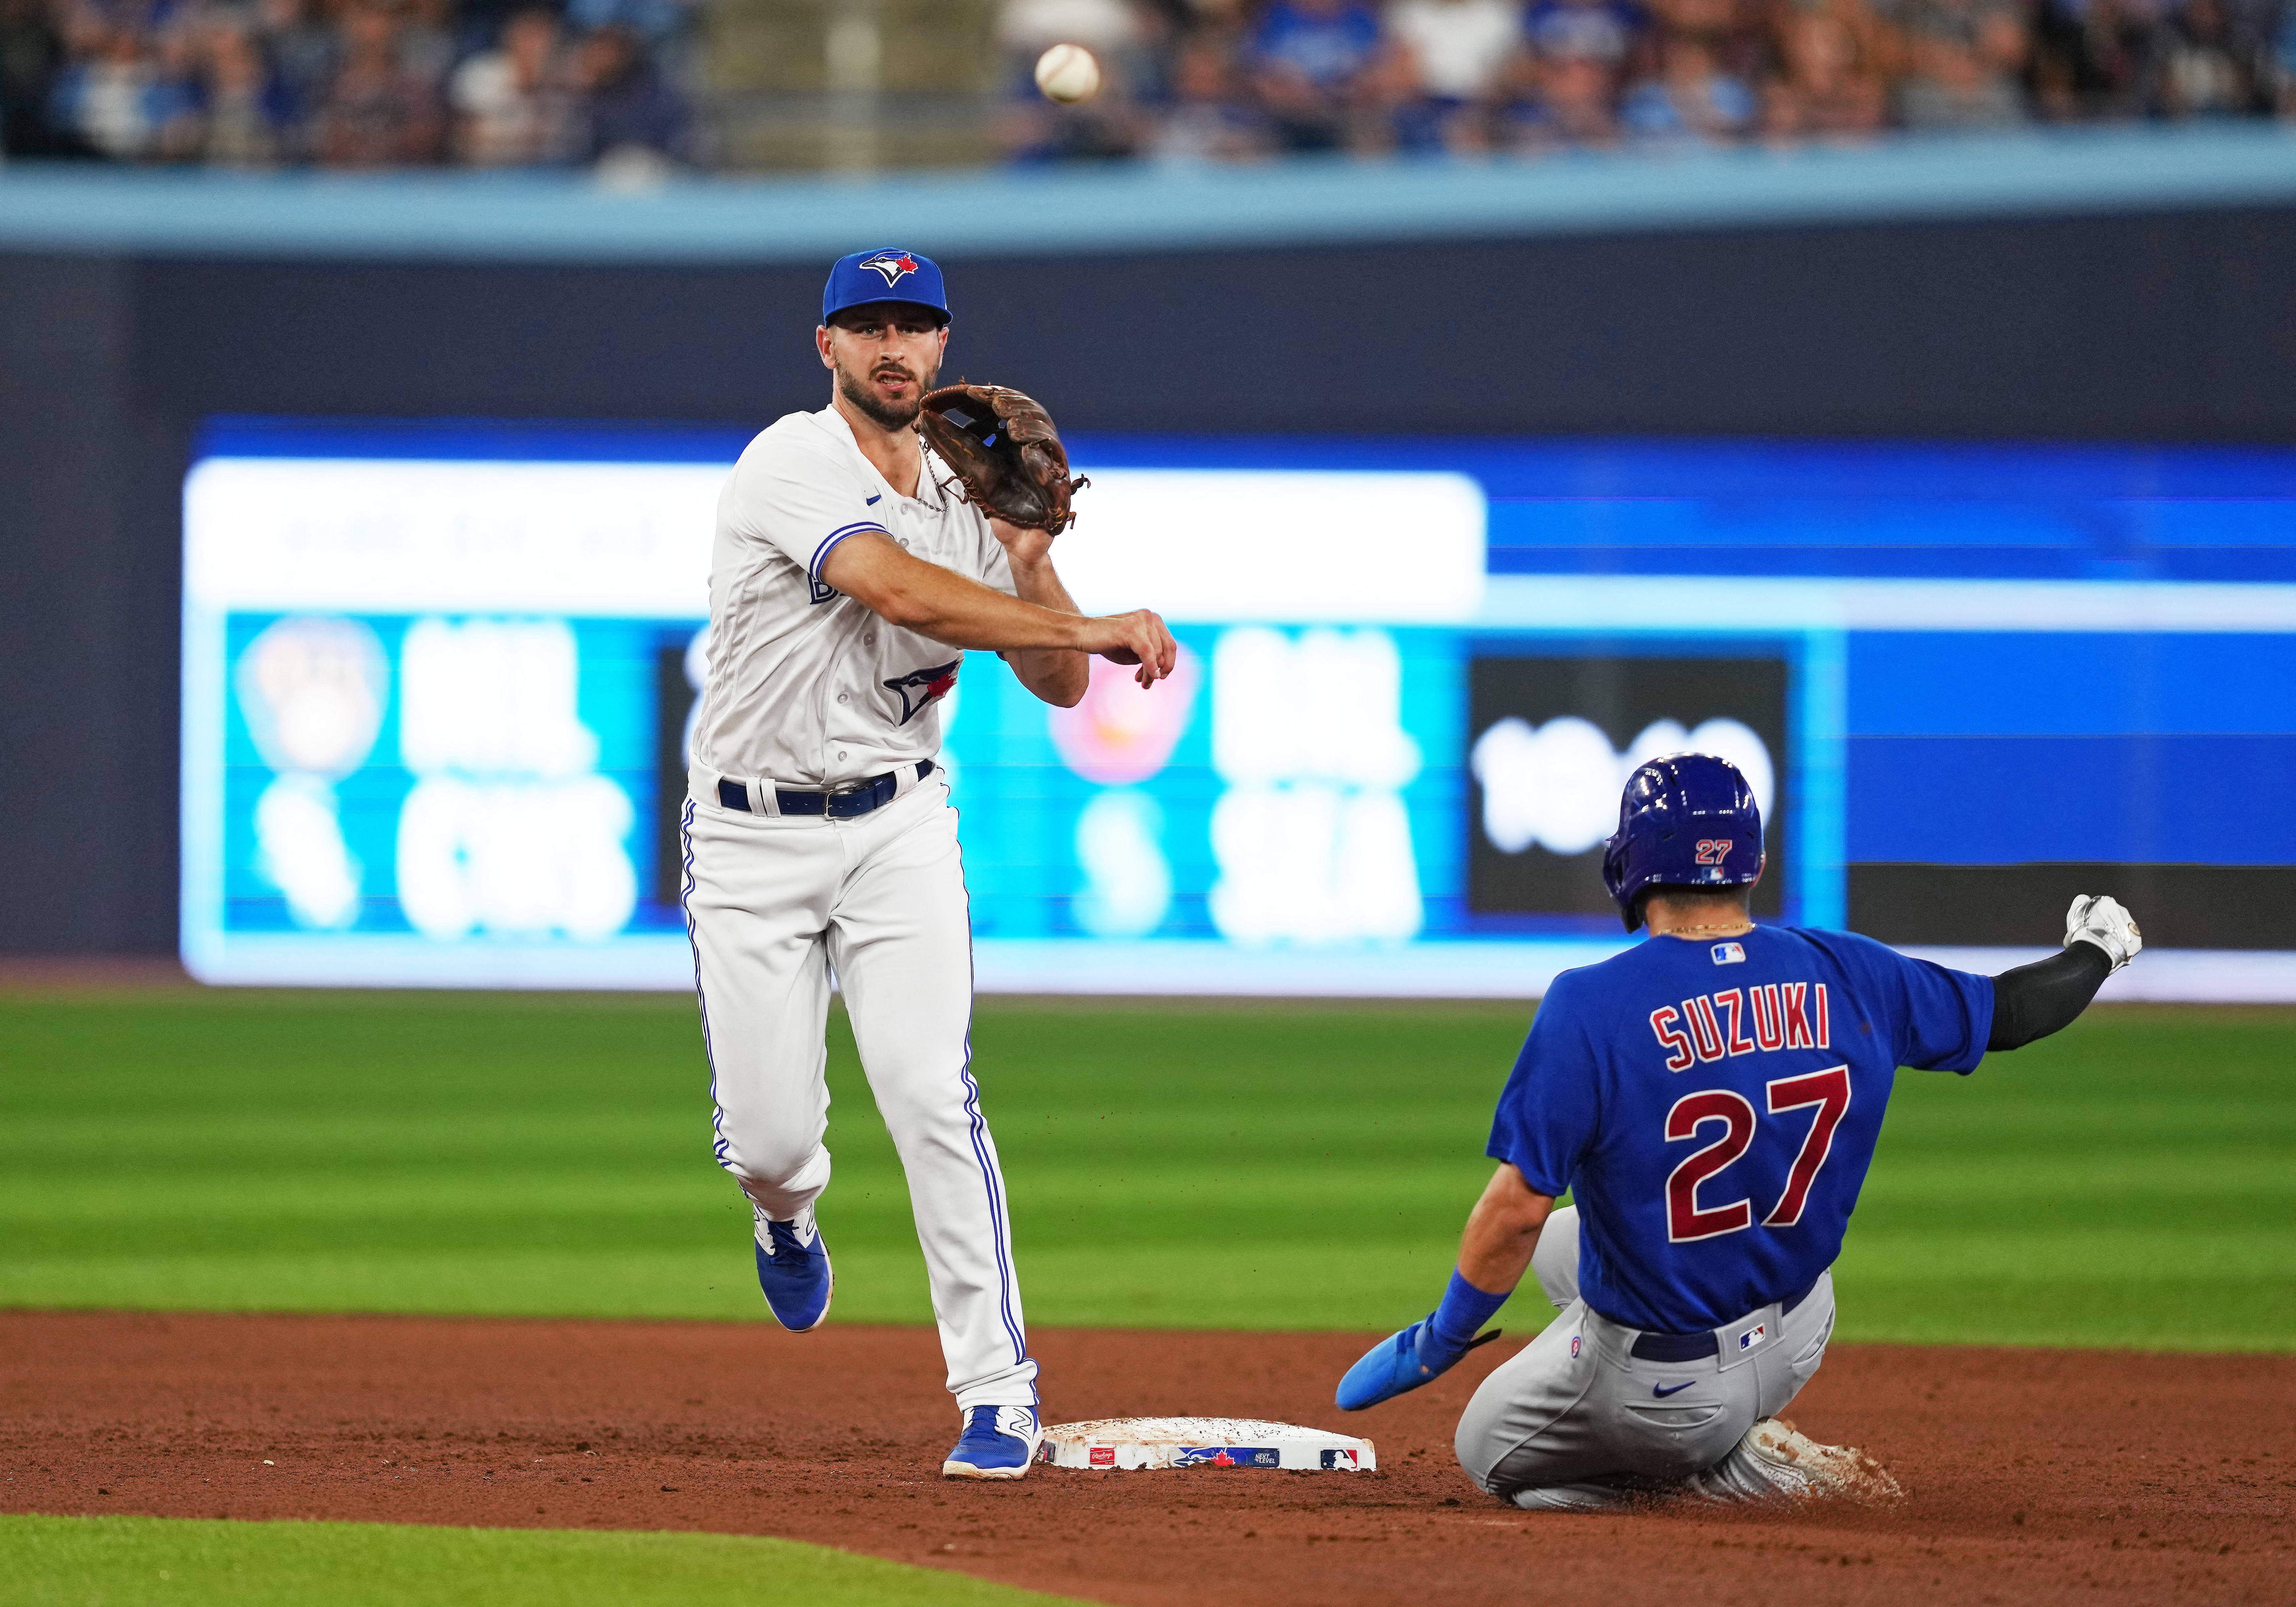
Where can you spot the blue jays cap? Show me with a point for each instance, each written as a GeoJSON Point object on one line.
{"type": "Point", "coordinates": [883, 276]}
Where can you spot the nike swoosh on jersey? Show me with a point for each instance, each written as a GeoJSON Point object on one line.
{"type": "Point", "coordinates": [1663, 1391]}
{"type": "Point", "coordinates": [874, 501]}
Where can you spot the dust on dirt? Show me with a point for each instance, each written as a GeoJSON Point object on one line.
{"type": "Point", "coordinates": [2031, 1476]}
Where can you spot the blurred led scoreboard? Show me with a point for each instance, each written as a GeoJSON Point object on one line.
{"type": "Point", "coordinates": [438, 682]}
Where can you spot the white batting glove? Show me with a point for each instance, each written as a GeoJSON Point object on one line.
{"type": "Point", "coordinates": [2101, 921]}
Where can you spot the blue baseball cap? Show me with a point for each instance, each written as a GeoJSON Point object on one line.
{"type": "Point", "coordinates": [883, 276]}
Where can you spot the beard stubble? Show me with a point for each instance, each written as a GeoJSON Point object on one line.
{"type": "Point", "coordinates": [894, 416]}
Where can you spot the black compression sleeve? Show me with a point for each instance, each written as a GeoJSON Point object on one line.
{"type": "Point", "coordinates": [2035, 1000]}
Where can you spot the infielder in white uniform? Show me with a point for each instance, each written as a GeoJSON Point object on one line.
{"type": "Point", "coordinates": [847, 577]}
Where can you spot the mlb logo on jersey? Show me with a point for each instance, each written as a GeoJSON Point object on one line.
{"type": "Point", "coordinates": [1729, 954]}
{"type": "Point", "coordinates": [1754, 1336]}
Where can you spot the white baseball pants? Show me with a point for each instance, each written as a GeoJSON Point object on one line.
{"type": "Point", "coordinates": [774, 903]}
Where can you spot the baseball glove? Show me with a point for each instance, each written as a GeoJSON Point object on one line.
{"type": "Point", "coordinates": [1003, 446]}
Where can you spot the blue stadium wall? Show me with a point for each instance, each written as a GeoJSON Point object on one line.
{"type": "Point", "coordinates": [2134, 316]}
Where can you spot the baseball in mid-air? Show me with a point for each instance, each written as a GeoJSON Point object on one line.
{"type": "Point", "coordinates": [1067, 74]}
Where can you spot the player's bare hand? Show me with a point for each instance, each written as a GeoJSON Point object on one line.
{"type": "Point", "coordinates": [1138, 637]}
{"type": "Point", "coordinates": [1025, 546]}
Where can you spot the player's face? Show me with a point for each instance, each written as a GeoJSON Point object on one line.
{"type": "Point", "coordinates": [885, 356]}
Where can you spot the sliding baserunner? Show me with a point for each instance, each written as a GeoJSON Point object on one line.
{"type": "Point", "coordinates": [1712, 1098]}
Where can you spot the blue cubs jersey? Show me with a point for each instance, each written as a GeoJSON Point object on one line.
{"type": "Point", "coordinates": [1715, 1106]}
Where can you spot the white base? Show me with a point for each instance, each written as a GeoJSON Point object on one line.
{"type": "Point", "coordinates": [1162, 1442]}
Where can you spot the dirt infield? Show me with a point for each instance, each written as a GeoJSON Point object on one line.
{"type": "Point", "coordinates": [2034, 1476]}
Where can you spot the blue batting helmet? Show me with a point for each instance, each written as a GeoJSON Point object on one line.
{"type": "Point", "coordinates": [1685, 820]}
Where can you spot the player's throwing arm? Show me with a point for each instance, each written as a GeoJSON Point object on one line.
{"type": "Point", "coordinates": [855, 560]}
{"type": "Point", "coordinates": [1713, 1097]}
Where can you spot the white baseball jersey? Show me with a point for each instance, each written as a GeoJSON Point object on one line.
{"type": "Point", "coordinates": [807, 686]}
{"type": "Point", "coordinates": [810, 689]}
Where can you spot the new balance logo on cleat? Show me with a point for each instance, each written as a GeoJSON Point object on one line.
{"type": "Point", "coordinates": [999, 1442]}
{"type": "Point", "coordinates": [794, 1273]}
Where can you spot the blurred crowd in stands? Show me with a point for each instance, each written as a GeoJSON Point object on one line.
{"type": "Point", "coordinates": [346, 83]}
{"type": "Point", "coordinates": [1230, 79]}
{"type": "Point", "coordinates": [570, 83]}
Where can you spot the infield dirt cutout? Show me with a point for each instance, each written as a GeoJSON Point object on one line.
{"type": "Point", "coordinates": [2033, 1476]}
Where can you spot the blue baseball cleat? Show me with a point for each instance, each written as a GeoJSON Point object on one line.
{"type": "Point", "coordinates": [793, 1270]}
{"type": "Point", "coordinates": [999, 1442]}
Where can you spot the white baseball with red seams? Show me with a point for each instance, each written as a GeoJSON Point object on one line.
{"type": "Point", "coordinates": [809, 690]}
{"type": "Point", "coordinates": [1068, 73]}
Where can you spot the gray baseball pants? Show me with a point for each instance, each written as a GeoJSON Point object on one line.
{"type": "Point", "coordinates": [1576, 1422]}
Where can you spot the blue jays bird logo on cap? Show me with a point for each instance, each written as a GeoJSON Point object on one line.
{"type": "Point", "coordinates": [895, 265]}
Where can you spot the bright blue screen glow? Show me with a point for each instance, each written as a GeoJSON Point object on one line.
{"type": "Point", "coordinates": [474, 784]}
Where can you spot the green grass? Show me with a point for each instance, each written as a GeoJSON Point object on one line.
{"type": "Point", "coordinates": [2129, 1182]}
{"type": "Point", "coordinates": [99, 1561]}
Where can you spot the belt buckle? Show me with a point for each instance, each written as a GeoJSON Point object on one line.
{"type": "Point", "coordinates": [830, 795]}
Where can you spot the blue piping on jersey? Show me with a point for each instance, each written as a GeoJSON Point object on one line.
{"type": "Point", "coordinates": [997, 1221]}
{"type": "Point", "coordinates": [828, 541]}
{"type": "Point", "coordinates": [996, 1205]}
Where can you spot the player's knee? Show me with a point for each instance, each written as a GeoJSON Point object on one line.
{"type": "Point", "coordinates": [1480, 1454]}
{"type": "Point", "coordinates": [926, 1110]}
{"type": "Point", "coordinates": [781, 1178]}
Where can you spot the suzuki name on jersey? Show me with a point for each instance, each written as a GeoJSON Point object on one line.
{"type": "Point", "coordinates": [1740, 1021]}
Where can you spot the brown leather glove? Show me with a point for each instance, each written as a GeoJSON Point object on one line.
{"type": "Point", "coordinates": [1002, 445]}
